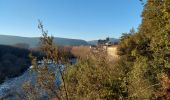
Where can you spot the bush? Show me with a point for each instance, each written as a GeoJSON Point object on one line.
{"type": "Point", "coordinates": [95, 77]}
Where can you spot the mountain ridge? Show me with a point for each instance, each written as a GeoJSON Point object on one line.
{"type": "Point", "coordinates": [34, 41]}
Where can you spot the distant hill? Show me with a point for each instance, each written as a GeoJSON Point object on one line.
{"type": "Point", "coordinates": [34, 41]}
{"type": "Point", "coordinates": [94, 42]}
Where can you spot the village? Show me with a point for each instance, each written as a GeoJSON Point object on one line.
{"type": "Point", "coordinates": [106, 45]}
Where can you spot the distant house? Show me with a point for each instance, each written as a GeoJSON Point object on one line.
{"type": "Point", "coordinates": [112, 51]}
{"type": "Point", "coordinates": [105, 42]}
{"type": "Point", "coordinates": [106, 45]}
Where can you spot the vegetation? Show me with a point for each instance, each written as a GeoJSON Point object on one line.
{"type": "Point", "coordinates": [140, 73]}
{"type": "Point", "coordinates": [14, 61]}
{"type": "Point", "coordinates": [147, 52]}
{"type": "Point", "coordinates": [46, 77]}
{"type": "Point", "coordinates": [95, 77]}
{"type": "Point", "coordinates": [80, 51]}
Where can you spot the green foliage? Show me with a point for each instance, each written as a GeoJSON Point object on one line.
{"type": "Point", "coordinates": [95, 77]}
{"type": "Point", "coordinates": [150, 50]}
{"type": "Point", "coordinates": [140, 85]}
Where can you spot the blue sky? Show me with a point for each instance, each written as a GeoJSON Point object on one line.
{"type": "Point", "coordinates": [80, 19]}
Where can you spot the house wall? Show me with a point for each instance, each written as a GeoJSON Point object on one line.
{"type": "Point", "coordinates": [112, 51]}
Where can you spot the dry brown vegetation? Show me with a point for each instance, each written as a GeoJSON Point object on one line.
{"type": "Point", "coordinates": [80, 51]}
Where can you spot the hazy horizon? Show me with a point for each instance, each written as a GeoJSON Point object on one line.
{"type": "Point", "coordinates": [56, 37]}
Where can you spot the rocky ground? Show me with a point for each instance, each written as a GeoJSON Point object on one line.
{"type": "Point", "coordinates": [13, 86]}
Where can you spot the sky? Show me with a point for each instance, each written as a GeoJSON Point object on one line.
{"type": "Point", "coordinates": [77, 19]}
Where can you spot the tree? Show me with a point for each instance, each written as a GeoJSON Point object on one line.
{"type": "Point", "coordinates": [149, 48]}
{"type": "Point", "coordinates": [46, 77]}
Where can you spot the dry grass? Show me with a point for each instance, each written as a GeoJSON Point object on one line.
{"type": "Point", "coordinates": [80, 51]}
